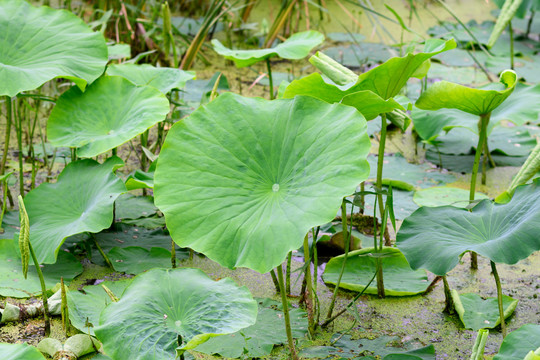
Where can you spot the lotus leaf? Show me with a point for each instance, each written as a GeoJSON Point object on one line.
{"type": "Point", "coordinates": [19, 352]}
{"type": "Point", "coordinates": [164, 79]}
{"type": "Point", "coordinates": [162, 310]}
{"type": "Point", "coordinates": [40, 44]}
{"type": "Point", "coordinates": [399, 278]}
{"type": "Point", "coordinates": [242, 180]}
{"type": "Point", "coordinates": [85, 308]}
{"type": "Point", "coordinates": [12, 281]}
{"type": "Point", "coordinates": [140, 180]}
{"type": "Point", "coordinates": [110, 112]}
{"type": "Point", "coordinates": [295, 47]}
{"type": "Point", "coordinates": [81, 200]}
{"type": "Point", "coordinates": [444, 195]}
{"type": "Point", "coordinates": [259, 339]}
{"type": "Point", "coordinates": [135, 259]}
{"type": "Point", "coordinates": [434, 238]}
{"type": "Point", "coordinates": [444, 94]}
{"type": "Point", "coordinates": [519, 343]}
{"type": "Point", "coordinates": [477, 313]}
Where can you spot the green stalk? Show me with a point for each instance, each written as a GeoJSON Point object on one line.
{"type": "Point", "coordinates": [286, 313]}
{"type": "Point", "coordinates": [105, 257]}
{"type": "Point", "coordinates": [309, 287]}
{"type": "Point", "coordinates": [270, 80]}
{"type": "Point", "coordinates": [275, 280]}
{"type": "Point", "coordinates": [449, 307]}
{"type": "Point", "coordinates": [346, 242]}
{"type": "Point", "coordinates": [510, 30]}
{"type": "Point", "coordinates": [4, 201]}
{"type": "Point", "coordinates": [7, 134]}
{"type": "Point", "coordinates": [380, 162]}
{"type": "Point", "coordinates": [19, 145]}
{"type": "Point", "coordinates": [43, 291]}
{"type": "Point", "coordinates": [288, 273]}
{"type": "Point", "coordinates": [499, 297]}
{"type": "Point", "coordinates": [173, 255]}
{"type": "Point", "coordinates": [482, 128]}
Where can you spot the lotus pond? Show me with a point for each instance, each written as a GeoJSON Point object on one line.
{"type": "Point", "coordinates": [269, 179]}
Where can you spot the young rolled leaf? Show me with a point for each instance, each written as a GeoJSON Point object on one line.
{"type": "Point", "coordinates": [477, 313]}
{"type": "Point", "coordinates": [477, 352]}
{"type": "Point", "coordinates": [19, 352]}
{"type": "Point", "coordinates": [508, 11]}
{"type": "Point", "coordinates": [295, 47]}
{"type": "Point", "coordinates": [40, 44]}
{"type": "Point", "coordinates": [519, 343]}
{"type": "Point", "coordinates": [336, 72]}
{"type": "Point", "coordinates": [162, 78]}
{"type": "Point", "coordinates": [110, 112]}
{"type": "Point", "coordinates": [504, 233]}
{"type": "Point", "coordinates": [444, 94]}
{"type": "Point", "coordinates": [242, 180]}
{"type": "Point", "coordinates": [165, 310]}
{"type": "Point", "coordinates": [84, 195]}
{"type": "Point", "coordinates": [24, 236]}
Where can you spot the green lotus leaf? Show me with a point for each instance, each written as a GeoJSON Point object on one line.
{"type": "Point", "coordinates": [444, 195]}
{"type": "Point", "coordinates": [519, 343]}
{"type": "Point", "coordinates": [259, 339]}
{"type": "Point", "coordinates": [12, 281]}
{"type": "Point", "coordinates": [242, 180]}
{"type": "Point", "coordinates": [162, 78]}
{"type": "Point", "coordinates": [444, 94]}
{"type": "Point", "coordinates": [399, 278]}
{"type": "Point", "coordinates": [386, 80]}
{"type": "Point", "coordinates": [140, 180]}
{"type": "Point", "coordinates": [162, 310]}
{"type": "Point", "coordinates": [135, 259]}
{"type": "Point", "coordinates": [477, 313]}
{"type": "Point", "coordinates": [434, 238]}
{"type": "Point", "coordinates": [19, 352]}
{"type": "Point", "coordinates": [522, 106]}
{"type": "Point", "coordinates": [85, 308]}
{"type": "Point", "coordinates": [110, 112]}
{"type": "Point", "coordinates": [83, 201]}
{"type": "Point", "coordinates": [129, 206]}
{"type": "Point", "coordinates": [40, 44]}
{"type": "Point", "coordinates": [295, 47]}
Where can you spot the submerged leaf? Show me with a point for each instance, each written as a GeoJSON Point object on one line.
{"type": "Point", "coordinates": [242, 180]}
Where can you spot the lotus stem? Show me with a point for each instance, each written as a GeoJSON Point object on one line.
{"type": "Point", "coordinates": [309, 287]}
{"type": "Point", "coordinates": [105, 257]}
{"type": "Point", "coordinates": [482, 130]}
{"type": "Point", "coordinates": [288, 273]}
{"type": "Point", "coordinates": [173, 254]}
{"type": "Point", "coordinates": [449, 307]}
{"type": "Point", "coordinates": [499, 297]}
{"type": "Point", "coordinates": [43, 291]}
{"type": "Point", "coordinates": [7, 134]}
{"type": "Point", "coordinates": [511, 31]}
{"type": "Point", "coordinates": [380, 162]}
{"type": "Point", "coordinates": [270, 80]}
{"type": "Point", "coordinates": [290, 339]}
{"type": "Point", "coordinates": [275, 280]}
{"type": "Point", "coordinates": [346, 242]}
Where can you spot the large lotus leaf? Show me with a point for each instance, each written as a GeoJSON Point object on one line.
{"type": "Point", "coordinates": [444, 94]}
{"type": "Point", "coordinates": [12, 281]}
{"type": "Point", "coordinates": [40, 44]}
{"type": "Point", "coordinates": [85, 308]}
{"type": "Point", "coordinates": [162, 310]}
{"type": "Point", "coordinates": [81, 200]}
{"type": "Point", "coordinates": [399, 278]}
{"type": "Point", "coordinates": [259, 339]}
{"type": "Point", "coordinates": [296, 47]}
{"type": "Point", "coordinates": [434, 238]}
{"type": "Point", "coordinates": [519, 343]}
{"type": "Point", "coordinates": [110, 112]}
{"type": "Point", "coordinates": [162, 78]}
{"type": "Point", "coordinates": [242, 180]}
{"type": "Point", "coordinates": [520, 107]}
{"type": "Point", "coordinates": [386, 80]}
{"type": "Point", "coordinates": [477, 313]}
{"type": "Point", "coordinates": [19, 352]}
